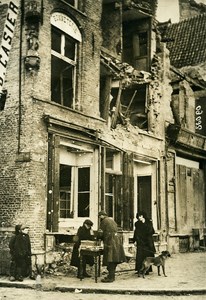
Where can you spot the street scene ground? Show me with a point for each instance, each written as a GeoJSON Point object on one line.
{"type": "Point", "coordinates": [186, 278]}
{"type": "Point", "coordinates": [22, 294]}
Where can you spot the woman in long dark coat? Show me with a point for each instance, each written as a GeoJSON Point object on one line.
{"type": "Point", "coordinates": [84, 233]}
{"type": "Point", "coordinates": [113, 247]}
{"type": "Point", "coordinates": [143, 236]}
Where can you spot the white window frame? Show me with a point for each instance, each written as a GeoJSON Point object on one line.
{"type": "Point", "coordinates": [66, 27]}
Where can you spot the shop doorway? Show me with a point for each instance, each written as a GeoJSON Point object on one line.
{"type": "Point", "coordinates": [144, 194]}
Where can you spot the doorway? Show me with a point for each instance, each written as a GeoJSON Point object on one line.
{"type": "Point", "coordinates": [144, 194]}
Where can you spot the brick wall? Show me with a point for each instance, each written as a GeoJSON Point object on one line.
{"type": "Point", "coordinates": [23, 133]}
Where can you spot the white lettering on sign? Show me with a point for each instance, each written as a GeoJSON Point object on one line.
{"type": "Point", "coordinates": [7, 37]}
{"type": "Point", "coordinates": [66, 24]}
{"type": "Point", "coordinates": [198, 119]}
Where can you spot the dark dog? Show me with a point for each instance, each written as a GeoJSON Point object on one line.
{"type": "Point", "coordinates": [156, 261]}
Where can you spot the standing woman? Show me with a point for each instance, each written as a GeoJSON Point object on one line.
{"type": "Point", "coordinates": [143, 237]}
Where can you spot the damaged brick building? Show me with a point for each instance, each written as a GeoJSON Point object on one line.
{"type": "Point", "coordinates": [94, 116]}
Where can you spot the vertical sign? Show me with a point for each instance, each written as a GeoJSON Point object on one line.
{"type": "Point", "coordinates": [7, 37]}
{"type": "Point", "coordinates": [200, 116]}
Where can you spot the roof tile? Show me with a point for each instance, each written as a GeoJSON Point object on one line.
{"type": "Point", "coordinates": [187, 41]}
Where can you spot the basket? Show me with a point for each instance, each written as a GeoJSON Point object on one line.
{"type": "Point", "coordinates": [88, 244]}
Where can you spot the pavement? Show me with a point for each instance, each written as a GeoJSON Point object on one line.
{"type": "Point", "coordinates": [186, 275]}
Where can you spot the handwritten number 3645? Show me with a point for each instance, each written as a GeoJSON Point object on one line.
{"type": "Point", "coordinates": [198, 119]}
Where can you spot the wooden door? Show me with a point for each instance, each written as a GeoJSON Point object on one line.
{"type": "Point", "coordinates": [144, 194]}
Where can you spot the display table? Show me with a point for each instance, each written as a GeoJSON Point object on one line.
{"type": "Point", "coordinates": [96, 252]}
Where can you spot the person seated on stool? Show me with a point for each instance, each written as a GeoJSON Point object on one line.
{"type": "Point", "coordinates": [84, 232]}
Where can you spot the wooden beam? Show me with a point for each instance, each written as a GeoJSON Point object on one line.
{"type": "Point", "coordinates": [117, 106]}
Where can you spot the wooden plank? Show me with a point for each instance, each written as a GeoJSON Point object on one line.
{"type": "Point", "coordinates": [181, 198]}
{"type": "Point", "coordinates": [128, 191]}
{"type": "Point", "coordinates": [117, 107]}
{"type": "Point", "coordinates": [50, 182]}
{"type": "Point", "coordinates": [102, 172]}
{"type": "Point", "coordinates": [105, 98]}
{"type": "Point", "coordinates": [55, 219]}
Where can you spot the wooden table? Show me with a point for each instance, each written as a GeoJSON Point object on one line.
{"type": "Point", "coordinates": [96, 253]}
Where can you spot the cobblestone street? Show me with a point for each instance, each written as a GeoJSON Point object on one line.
{"type": "Point", "coordinates": [22, 294]}
{"type": "Point", "coordinates": [185, 271]}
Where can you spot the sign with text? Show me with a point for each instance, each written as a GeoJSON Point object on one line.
{"type": "Point", "coordinates": [200, 116]}
{"type": "Point", "coordinates": [7, 36]}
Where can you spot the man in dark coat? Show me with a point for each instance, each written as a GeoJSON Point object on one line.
{"type": "Point", "coordinates": [113, 247]}
{"type": "Point", "coordinates": [84, 233]}
{"type": "Point", "coordinates": [143, 237]}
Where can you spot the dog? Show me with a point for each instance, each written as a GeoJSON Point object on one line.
{"type": "Point", "coordinates": [156, 261]}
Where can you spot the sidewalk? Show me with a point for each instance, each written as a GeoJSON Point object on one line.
{"type": "Point", "coordinates": [186, 275]}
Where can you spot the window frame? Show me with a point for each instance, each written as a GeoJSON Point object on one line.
{"type": "Point", "coordinates": [64, 189]}
{"type": "Point", "coordinates": [75, 192]}
{"type": "Point", "coordinates": [66, 27]}
{"type": "Point", "coordinates": [113, 173]}
{"type": "Point", "coordinates": [75, 3]}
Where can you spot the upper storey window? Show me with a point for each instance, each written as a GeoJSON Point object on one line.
{"type": "Point", "coordinates": [78, 4]}
{"type": "Point", "coordinates": [65, 40]}
{"type": "Point", "coordinates": [73, 2]}
{"type": "Point", "coordinates": [137, 43]}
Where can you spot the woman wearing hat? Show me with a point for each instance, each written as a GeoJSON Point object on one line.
{"type": "Point", "coordinates": [143, 237]}
{"type": "Point", "coordinates": [84, 232]}
{"type": "Point", "coordinates": [113, 247]}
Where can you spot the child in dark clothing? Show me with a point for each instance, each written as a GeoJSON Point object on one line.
{"type": "Point", "coordinates": [12, 251]}
{"type": "Point", "coordinates": [20, 249]}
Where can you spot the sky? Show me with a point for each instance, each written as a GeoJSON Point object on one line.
{"type": "Point", "coordinates": [169, 9]}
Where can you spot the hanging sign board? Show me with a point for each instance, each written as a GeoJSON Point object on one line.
{"type": "Point", "coordinates": [7, 36]}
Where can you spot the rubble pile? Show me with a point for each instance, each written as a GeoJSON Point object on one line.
{"type": "Point", "coordinates": [60, 266]}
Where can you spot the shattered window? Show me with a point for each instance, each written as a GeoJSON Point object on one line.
{"type": "Point", "coordinates": [143, 43]}
{"type": "Point", "coordinates": [133, 105]}
{"type": "Point", "coordinates": [136, 44]}
{"type": "Point", "coordinates": [140, 51]}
